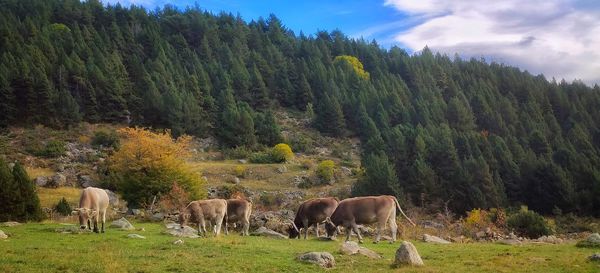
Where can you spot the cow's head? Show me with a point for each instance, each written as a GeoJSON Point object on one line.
{"type": "Point", "coordinates": [184, 217]}
{"type": "Point", "coordinates": [293, 231]}
{"type": "Point", "coordinates": [85, 215]}
{"type": "Point", "coordinates": [330, 227]}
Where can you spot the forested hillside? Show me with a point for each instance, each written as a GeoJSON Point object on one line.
{"type": "Point", "coordinates": [435, 130]}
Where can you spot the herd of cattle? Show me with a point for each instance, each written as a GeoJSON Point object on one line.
{"type": "Point", "coordinates": [348, 213]}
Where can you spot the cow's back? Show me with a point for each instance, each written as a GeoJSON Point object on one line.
{"type": "Point", "coordinates": [362, 210]}
{"type": "Point", "coordinates": [213, 208]}
{"type": "Point", "coordinates": [93, 198]}
{"type": "Point", "coordinates": [237, 209]}
{"type": "Point", "coordinates": [318, 209]}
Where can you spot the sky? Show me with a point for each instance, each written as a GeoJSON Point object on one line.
{"type": "Point", "coordinates": [557, 38]}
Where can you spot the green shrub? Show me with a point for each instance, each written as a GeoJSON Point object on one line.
{"type": "Point", "coordinates": [301, 143]}
{"type": "Point", "coordinates": [261, 158]}
{"type": "Point", "coordinates": [62, 207]}
{"type": "Point", "coordinates": [107, 139]}
{"type": "Point", "coordinates": [231, 191]}
{"type": "Point", "coordinates": [240, 152]}
{"type": "Point", "coordinates": [282, 153]}
{"type": "Point", "coordinates": [53, 148]}
{"type": "Point", "coordinates": [272, 199]}
{"type": "Point", "coordinates": [325, 171]}
{"type": "Point", "coordinates": [528, 224]}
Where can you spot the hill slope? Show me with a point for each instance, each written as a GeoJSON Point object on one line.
{"type": "Point", "coordinates": [434, 130]}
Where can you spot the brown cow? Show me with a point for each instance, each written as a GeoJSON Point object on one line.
{"type": "Point", "coordinates": [202, 211]}
{"type": "Point", "coordinates": [356, 211]}
{"type": "Point", "coordinates": [92, 203]}
{"type": "Point", "coordinates": [238, 210]}
{"type": "Point", "coordinates": [312, 212]}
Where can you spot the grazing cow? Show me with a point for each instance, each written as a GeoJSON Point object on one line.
{"type": "Point", "coordinates": [238, 210]}
{"type": "Point", "coordinates": [356, 211]}
{"type": "Point", "coordinates": [312, 212]}
{"type": "Point", "coordinates": [92, 204]}
{"type": "Point", "coordinates": [203, 211]}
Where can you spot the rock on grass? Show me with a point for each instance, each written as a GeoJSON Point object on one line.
{"type": "Point", "coordinates": [407, 254]}
{"type": "Point", "coordinates": [592, 241]}
{"type": "Point", "coordinates": [323, 259]}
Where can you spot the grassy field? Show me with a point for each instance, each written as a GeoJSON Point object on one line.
{"type": "Point", "coordinates": [38, 248]}
{"type": "Point", "coordinates": [49, 197]}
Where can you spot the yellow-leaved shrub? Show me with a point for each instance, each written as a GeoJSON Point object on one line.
{"type": "Point", "coordinates": [148, 163]}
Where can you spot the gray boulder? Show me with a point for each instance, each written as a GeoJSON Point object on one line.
{"type": "Point", "coordinates": [186, 232]}
{"type": "Point", "coordinates": [57, 180]}
{"type": "Point", "coordinates": [594, 257]}
{"type": "Point", "coordinates": [159, 216]}
{"type": "Point", "coordinates": [323, 259]}
{"type": "Point", "coordinates": [592, 241]}
{"type": "Point", "coordinates": [551, 239]}
{"type": "Point", "coordinates": [3, 235]}
{"type": "Point", "coordinates": [263, 231]}
{"type": "Point", "coordinates": [86, 181]}
{"type": "Point", "coordinates": [510, 242]}
{"type": "Point", "coordinates": [352, 248]}
{"type": "Point", "coordinates": [434, 239]}
{"type": "Point", "coordinates": [41, 181]}
{"type": "Point", "coordinates": [122, 224]}
{"type": "Point", "coordinates": [407, 254]}
{"type": "Point", "coordinates": [135, 236]}
{"type": "Point", "coordinates": [113, 198]}
{"type": "Point", "coordinates": [178, 242]}
{"type": "Point", "coordinates": [10, 224]}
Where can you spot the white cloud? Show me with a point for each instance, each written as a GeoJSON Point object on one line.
{"type": "Point", "coordinates": [558, 38]}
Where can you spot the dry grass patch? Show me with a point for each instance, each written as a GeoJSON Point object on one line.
{"type": "Point", "coordinates": [49, 197]}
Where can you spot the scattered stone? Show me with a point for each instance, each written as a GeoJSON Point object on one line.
{"type": "Point", "coordinates": [323, 259]}
{"type": "Point", "coordinates": [551, 239]}
{"type": "Point", "coordinates": [407, 254]}
{"type": "Point", "coordinates": [41, 181]}
{"type": "Point", "coordinates": [86, 181]}
{"type": "Point", "coordinates": [60, 168]}
{"type": "Point", "coordinates": [136, 236]}
{"type": "Point", "coordinates": [459, 239]}
{"type": "Point", "coordinates": [321, 238]}
{"type": "Point", "coordinates": [158, 216]}
{"type": "Point", "coordinates": [243, 161]}
{"type": "Point", "coordinates": [480, 235]}
{"type": "Point", "coordinates": [431, 224]}
{"type": "Point", "coordinates": [10, 224]}
{"type": "Point", "coordinates": [594, 257]}
{"type": "Point", "coordinates": [352, 248]}
{"type": "Point", "coordinates": [122, 224]}
{"type": "Point", "coordinates": [263, 231]}
{"type": "Point", "coordinates": [282, 169]}
{"type": "Point", "coordinates": [141, 229]}
{"type": "Point", "coordinates": [592, 241]}
{"type": "Point", "coordinates": [176, 230]}
{"type": "Point", "coordinates": [434, 239]}
{"type": "Point", "coordinates": [3, 235]}
{"type": "Point", "coordinates": [137, 212]}
{"type": "Point", "coordinates": [57, 180]}
{"type": "Point", "coordinates": [178, 242]}
{"type": "Point", "coordinates": [346, 171]}
{"type": "Point", "coordinates": [510, 242]}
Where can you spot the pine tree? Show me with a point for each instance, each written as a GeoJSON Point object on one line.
{"type": "Point", "coordinates": [28, 204]}
{"type": "Point", "coordinates": [329, 117]}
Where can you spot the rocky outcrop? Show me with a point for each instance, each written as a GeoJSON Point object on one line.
{"type": "Point", "coordinates": [592, 241]}
{"type": "Point", "coordinates": [122, 224]}
{"type": "Point", "coordinates": [352, 248]}
{"type": "Point", "coordinates": [263, 231]}
{"type": "Point", "coordinates": [434, 239]}
{"type": "Point", "coordinates": [323, 259]}
{"type": "Point", "coordinates": [407, 254]}
{"type": "Point", "coordinates": [176, 230]}
{"type": "Point", "coordinates": [3, 235]}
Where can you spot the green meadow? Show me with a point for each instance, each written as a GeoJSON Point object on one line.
{"type": "Point", "coordinates": [37, 247]}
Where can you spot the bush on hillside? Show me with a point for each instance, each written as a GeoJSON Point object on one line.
{"type": "Point", "coordinates": [147, 164]}
{"type": "Point", "coordinates": [239, 171]}
{"type": "Point", "coordinates": [528, 224]}
{"type": "Point", "coordinates": [174, 200]}
{"type": "Point", "coordinates": [261, 158]}
{"type": "Point", "coordinates": [107, 139]}
{"type": "Point", "coordinates": [63, 208]}
{"type": "Point", "coordinates": [325, 170]}
{"type": "Point", "coordinates": [282, 153]}
{"type": "Point", "coordinates": [52, 149]}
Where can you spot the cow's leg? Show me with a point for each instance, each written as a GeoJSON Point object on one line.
{"type": "Point", "coordinates": [89, 223]}
{"type": "Point", "coordinates": [348, 233]}
{"type": "Point", "coordinates": [95, 220]}
{"type": "Point", "coordinates": [246, 227]}
{"type": "Point", "coordinates": [199, 229]}
{"type": "Point", "coordinates": [317, 229]}
{"type": "Point", "coordinates": [218, 227]}
{"type": "Point", "coordinates": [380, 228]}
{"type": "Point", "coordinates": [355, 229]}
{"type": "Point", "coordinates": [393, 229]}
{"type": "Point", "coordinates": [226, 228]}
{"type": "Point", "coordinates": [103, 220]}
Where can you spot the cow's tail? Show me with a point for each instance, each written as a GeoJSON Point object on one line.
{"type": "Point", "coordinates": [401, 211]}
